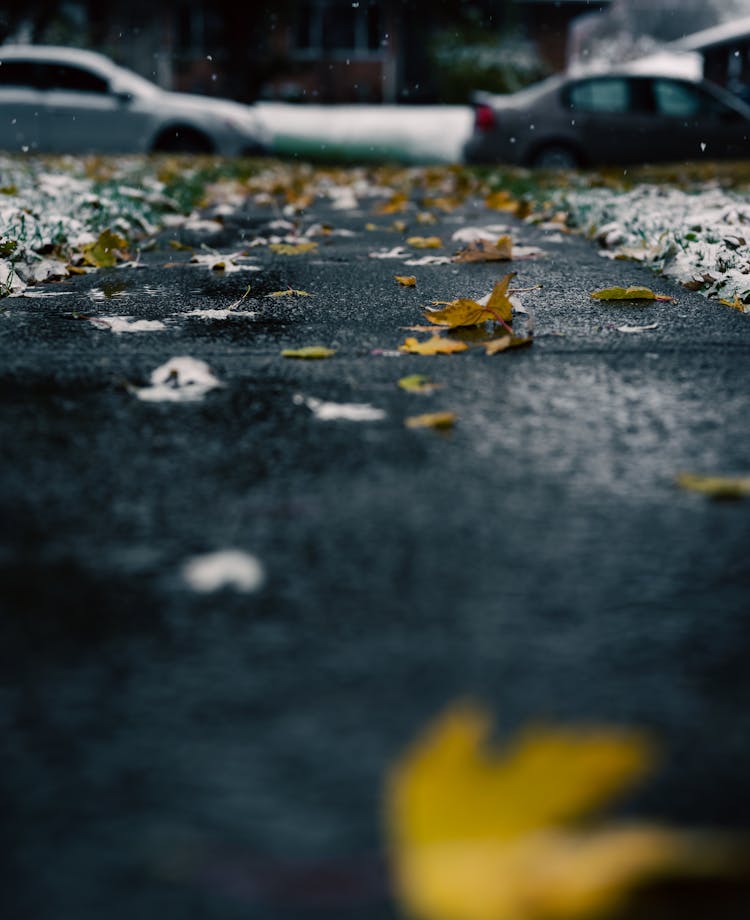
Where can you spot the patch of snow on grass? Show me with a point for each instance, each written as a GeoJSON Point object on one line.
{"type": "Point", "coordinates": [700, 239]}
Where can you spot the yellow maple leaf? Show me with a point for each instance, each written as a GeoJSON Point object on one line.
{"type": "Point", "coordinates": [718, 487]}
{"type": "Point", "coordinates": [736, 304]}
{"type": "Point", "coordinates": [293, 249]}
{"type": "Point", "coordinates": [486, 251]}
{"type": "Point", "coordinates": [629, 293]}
{"type": "Point", "coordinates": [434, 346]}
{"type": "Point", "coordinates": [406, 280]}
{"type": "Point", "coordinates": [467, 312]}
{"type": "Point", "coordinates": [481, 835]}
{"type": "Point", "coordinates": [309, 352]}
{"type": "Point", "coordinates": [424, 242]}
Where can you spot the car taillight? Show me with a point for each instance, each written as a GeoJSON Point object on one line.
{"type": "Point", "coordinates": [484, 118]}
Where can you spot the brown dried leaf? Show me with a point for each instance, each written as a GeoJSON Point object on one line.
{"type": "Point", "coordinates": [485, 251]}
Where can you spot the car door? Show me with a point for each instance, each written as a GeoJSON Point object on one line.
{"type": "Point", "coordinates": [21, 103]}
{"type": "Point", "coordinates": [609, 117]}
{"type": "Point", "coordinates": [81, 114]}
{"type": "Point", "coordinates": [691, 123]}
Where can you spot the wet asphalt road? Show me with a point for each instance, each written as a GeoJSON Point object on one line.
{"type": "Point", "coordinates": [170, 753]}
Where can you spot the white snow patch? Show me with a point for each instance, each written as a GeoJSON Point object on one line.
{"type": "Point", "coordinates": [228, 568]}
{"type": "Point", "coordinates": [120, 324]}
{"type": "Point", "coordinates": [474, 234]}
{"type": "Point", "coordinates": [398, 252]}
{"type": "Point", "coordinates": [635, 330]}
{"type": "Point", "coordinates": [429, 260]}
{"type": "Point", "coordinates": [331, 411]}
{"type": "Point", "coordinates": [182, 379]}
{"type": "Point", "coordinates": [220, 314]}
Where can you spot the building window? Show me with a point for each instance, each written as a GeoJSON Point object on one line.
{"type": "Point", "coordinates": [325, 26]}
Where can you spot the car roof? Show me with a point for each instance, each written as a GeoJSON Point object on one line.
{"type": "Point", "coordinates": [56, 53]}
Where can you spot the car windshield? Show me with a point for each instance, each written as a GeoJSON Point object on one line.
{"type": "Point", "coordinates": [127, 81]}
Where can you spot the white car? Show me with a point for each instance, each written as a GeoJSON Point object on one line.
{"type": "Point", "coordinates": [65, 100]}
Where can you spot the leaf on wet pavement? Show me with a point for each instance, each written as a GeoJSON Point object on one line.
{"type": "Point", "coordinates": [293, 249]}
{"type": "Point", "coordinates": [396, 204]}
{"type": "Point", "coordinates": [406, 280]}
{"type": "Point", "coordinates": [289, 292]}
{"type": "Point", "coordinates": [417, 383]}
{"type": "Point", "coordinates": [506, 342]}
{"type": "Point", "coordinates": [486, 251]}
{"type": "Point", "coordinates": [630, 293]}
{"type": "Point", "coordinates": [434, 346]}
{"type": "Point", "coordinates": [424, 242]}
{"type": "Point", "coordinates": [467, 312]}
{"type": "Point", "coordinates": [439, 420]}
{"type": "Point", "coordinates": [107, 250]}
{"type": "Point", "coordinates": [309, 352]}
{"type": "Point", "coordinates": [718, 487]}
{"type": "Point", "coordinates": [479, 834]}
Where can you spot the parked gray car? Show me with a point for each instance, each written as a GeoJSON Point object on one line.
{"type": "Point", "coordinates": [65, 100]}
{"type": "Point", "coordinates": [616, 117]}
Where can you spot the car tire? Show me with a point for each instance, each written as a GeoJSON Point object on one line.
{"type": "Point", "coordinates": [181, 139]}
{"type": "Point", "coordinates": [555, 156]}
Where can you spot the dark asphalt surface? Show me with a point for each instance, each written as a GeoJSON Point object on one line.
{"type": "Point", "coordinates": [174, 754]}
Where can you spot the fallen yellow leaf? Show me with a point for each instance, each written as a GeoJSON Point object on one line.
{"type": "Point", "coordinates": [440, 420]}
{"type": "Point", "coordinates": [424, 242]}
{"type": "Point", "coordinates": [417, 383]}
{"type": "Point", "coordinates": [406, 280]}
{"type": "Point", "coordinates": [718, 487]}
{"type": "Point", "coordinates": [476, 834]}
{"type": "Point", "coordinates": [397, 203]}
{"type": "Point", "coordinates": [293, 249]}
{"type": "Point", "coordinates": [434, 346]}
{"type": "Point", "coordinates": [486, 251]}
{"type": "Point", "coordinates": [309, 352]}
{"type": "Point", "coordinates": [736, 304]}
{"type": "Point", "coordinates": [630, 293]}
{"type": "Point", "coordinates": [466, 312]}
{"type": "Point", "coordinates": [289, 292]}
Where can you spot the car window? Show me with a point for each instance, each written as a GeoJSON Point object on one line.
{"type": "Point", "coordinates": [678, 100]}
{"type": "Point", "coordinates": [19, 73]}
{"type": "Point", "coordinates": [68, 77]}
{"type": "Point", "coordinates": [603, 95]}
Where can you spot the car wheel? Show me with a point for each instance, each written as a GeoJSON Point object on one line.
{"type": "Point", "coordinates": [555, 156]}
{"type": "Point", "coordinates": [182, 139]}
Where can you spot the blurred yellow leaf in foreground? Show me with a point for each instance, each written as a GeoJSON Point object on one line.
{"type": "Point", "coordinates": [719, 487]}
{"type": "Point", "coordinates": [479, 835]}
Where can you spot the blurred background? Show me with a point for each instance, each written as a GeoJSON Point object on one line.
{"type": "Point", "coordinates": [339, 51]}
